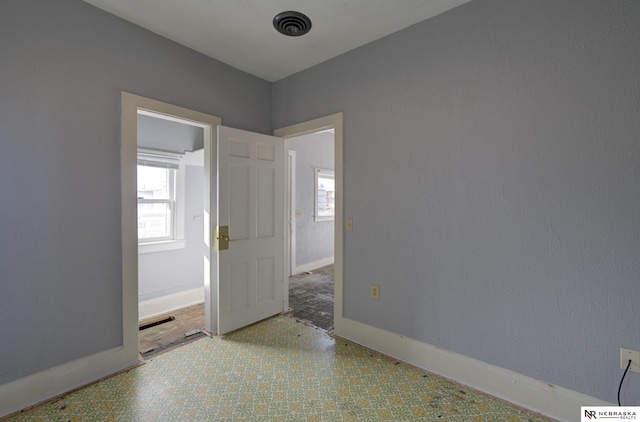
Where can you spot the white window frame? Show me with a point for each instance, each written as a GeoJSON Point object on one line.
{"type": "Point", "coordinates": [176, 240]}
{"type": "Point", "coordinates": [325, 174]}
{"type": "Point", "coordinates": [170, 202]}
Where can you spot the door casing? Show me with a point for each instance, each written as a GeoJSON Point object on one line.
{"type": "Point", "coordinates": [333, 121]}
{"type": "Point", "coordinates": [290, 236]}
{"type": "Point", "coordinates": [131, 104]}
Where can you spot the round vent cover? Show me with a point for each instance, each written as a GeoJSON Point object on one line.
{"type": "Point", "coordinates": [291, 23]}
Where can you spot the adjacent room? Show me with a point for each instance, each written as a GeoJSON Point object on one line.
{"type": "Point", "coordinates": [170, 192]}
{"type": "Point", "coordinates": [311, 215]}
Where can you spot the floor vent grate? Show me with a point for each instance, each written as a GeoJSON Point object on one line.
{"type": "Point", "coordinates": [158, 322]}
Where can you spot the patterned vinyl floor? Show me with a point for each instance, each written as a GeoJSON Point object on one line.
{"type": "Point", "coordinates": [276, 370]}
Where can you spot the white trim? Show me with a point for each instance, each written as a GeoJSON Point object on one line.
{"type": "Point", "coordinates": [168, 245]}
{"type": "Point", "coordinates": [195, 158]}
{"type": "Point", "coordinates": [36, 388]}
{"type": "Point", "coordinates": [334, 121]}
{"type": "Point", "coordinates": [161, 305]}
{"type": "Point", "coordinates": [132, 105]}
{"type": "Point", "coordinates": [291, 217]}
{"type": "Point", "coordinates": [313, 265]}
{"type": "Point", "coordinates": [156, 153]}
{"type": "Point", "coordinates": [179, 198]}
{"type": "Point", "coordinates": [210, 217]}
{"type": "Point", "coordinates": [550, 400]}
{"type": "Point", "coordinates": [24, 392]}
{"type": "Point", "coordinates": [326, 174]}
{"type": "Point", "coordinates": [180, 195]}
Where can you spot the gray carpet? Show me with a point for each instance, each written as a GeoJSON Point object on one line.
{"type": "Point", "coordinates": [311, 297]}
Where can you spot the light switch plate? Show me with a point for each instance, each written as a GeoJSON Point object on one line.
{"type": "Point", "coordinates": [349, 224]}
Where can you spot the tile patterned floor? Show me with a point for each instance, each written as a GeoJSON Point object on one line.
{"type": "Point", "coordinates": [276, 370]}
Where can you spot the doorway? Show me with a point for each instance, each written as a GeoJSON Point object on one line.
{"type": "Point", "coordinates": [170, 192]}
{"type": "Point", "coordinates": [212, 257]}
{"type": "Point", "coordinates": [331, 125]}
{"type": "Point", "coordinates": [131, 106]}
{"type": "Point", "coordinates": [243, 204]}
{"type": "Point", "coordinates": [312, 229]}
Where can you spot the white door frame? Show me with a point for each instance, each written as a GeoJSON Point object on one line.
{"type": "Point", "coordinates": [334, 121]}
{"type": "Point", "coordinates": [291, 216]}
{"type": "Point", "coordinates": [131, 103]}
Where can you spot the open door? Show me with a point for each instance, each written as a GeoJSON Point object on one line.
{"type": "Point", "coordinates": [249, 240]}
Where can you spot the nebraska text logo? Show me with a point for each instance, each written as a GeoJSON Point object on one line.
{"type": "Point", "coordinates": [592, 413]}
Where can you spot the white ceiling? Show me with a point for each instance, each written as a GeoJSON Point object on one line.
{"type": "Point", "coordinates": [241, 34]}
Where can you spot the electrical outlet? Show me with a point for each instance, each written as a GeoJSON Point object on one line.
{"type": "Point", "coordinates": [634, 355]}
{"type": "Point", "coordinates": [375, 292]}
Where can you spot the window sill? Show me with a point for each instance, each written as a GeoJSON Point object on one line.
{"type": "Point", "coordinates": [168, 245]}
{"type": "Point", "coordinates": [324, 218]}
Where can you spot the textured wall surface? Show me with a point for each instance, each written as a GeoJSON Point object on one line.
{"type": "Point", "coordinates": [502, 137]}
{"type": "Point", "coordinates": [165, 135]}
{"type": "Point", "coordinates": [168, 272]}
{"type": "Point", "coordinates": [492, 159]}
{"type": "Point", "coordinates": [63, 65]}
{"type": "Point", "coordinates": [314, 239]}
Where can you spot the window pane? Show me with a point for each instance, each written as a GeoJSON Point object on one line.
{"type": "Point", "coordinates": [154, 221]}
{"type": "Point", "coordinates": [325, 189]}
{"type": "Point", "coordinates": [154, 183]}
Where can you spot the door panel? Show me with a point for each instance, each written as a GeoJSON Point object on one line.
{"type": "Point", "coordinates": [266, 280]}
{"type": "Point", "coordinates": [251, 203]}
{"type": "Point", "coordinates": [239, 280]}
{"type": "Point", "coordinates": [266, 206]}
{"type": "Point", "coordinates": [240, 201]}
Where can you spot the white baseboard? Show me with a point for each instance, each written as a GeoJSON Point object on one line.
{"type": "Point", "coordinates": [33, 389]}
{"type": "Point", "coordinates": [162, 305]}
{"type": "Point", "coordinates": [313, 265]}
{"type": "Point", "coordinates": [549, 400]}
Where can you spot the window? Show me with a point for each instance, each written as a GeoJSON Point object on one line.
{"type": "Point", "coordinates": [325, 198]}
{"type": "Point", "coordinates": [156, 203]}
{"type": "Point", "coordinates": [160, 191]}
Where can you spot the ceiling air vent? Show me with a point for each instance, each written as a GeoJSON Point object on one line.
{"type": "Point", "coordinates": [291, 23]}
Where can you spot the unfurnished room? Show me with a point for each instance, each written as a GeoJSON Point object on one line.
{"type": "Point", "coordinates": [457, 180]}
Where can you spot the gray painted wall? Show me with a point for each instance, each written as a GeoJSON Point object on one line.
{"type": "Point", "coordinates": [169, 136]}
{"type": "Point", "coordinates": [502, 138]}
{"type": "Point", "coordinates": [63, 65]}
{"type": "Point", "coordinates": [169, 272]}
{"type": "Point", "coordinates": [492, 156]}
{"type": "Point", "coordinates": [314, 239]}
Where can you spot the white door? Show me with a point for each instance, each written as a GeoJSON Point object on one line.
{"type": "Point", "coordinates": [251, 204]}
